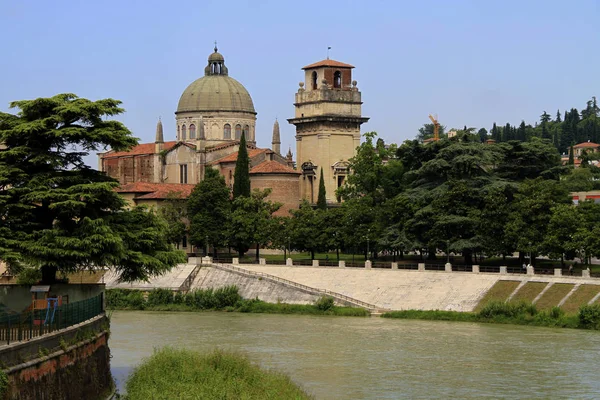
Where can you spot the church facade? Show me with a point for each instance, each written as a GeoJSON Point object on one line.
{"type": "Point", "coordinates": [214, 112]}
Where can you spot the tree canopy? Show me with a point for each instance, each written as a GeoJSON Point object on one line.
{"type": "Point", "coordinates": [60, 214]}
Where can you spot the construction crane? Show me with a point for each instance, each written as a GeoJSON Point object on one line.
{"type": "Point", "coordinates": [436, 127]}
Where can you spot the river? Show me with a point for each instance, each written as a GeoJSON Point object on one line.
{"type": "Point", "coordinates": [377, 358]}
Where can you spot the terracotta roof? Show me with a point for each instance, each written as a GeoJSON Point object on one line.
{"type": "Point", "coordinates": [328, 63]}
{"type": "Point", "coordinates": [273, 167]}
{"type": "Point", "coordinates": [233, 156]}
{"type": "Point", "coordinates": [586, 144]}
{"type": "Point", "coordinates": [144, 148]}
{"type": "Point", "coordinates": [156, 190]}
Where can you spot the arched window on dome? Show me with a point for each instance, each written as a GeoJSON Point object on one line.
{"type": "Point", "coordinates": [192, 131]}
{"type": "Point", "coordinates": [183, 134]}
{"type": "Point", "coordinates": [247, 132]}
{"type": "Point", "coordinates": [178, 132]}
{"type": "Point", "coordinates": [314, 80]}
{"type": "Point", "coordinates": [337, 79]}
{"type": "Point", "coordinates": [238, 132]}
{"type": "Point", "coordinates": [227, 131]}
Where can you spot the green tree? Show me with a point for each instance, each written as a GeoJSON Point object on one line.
{"type": "Point", "coordinates": [321, 199]}
{"type": "Point", "coordinates": [531, 211]}
{"type": "Point", "coordinates": [174, 211]}
{"type": "Point", "coordinates": [252, 221]}
{"type": "Point", "coordinates": [483, 135]}
{"type": "Point", "coordinates": [426, 132]}
{"type": "Point", "coordinates": [241, 178]}
{"type": "Point", "coordinates": [209, 211]}
{"type": "Point", "coordinates": [58, 214]}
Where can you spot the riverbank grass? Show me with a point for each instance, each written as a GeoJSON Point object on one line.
{"type": "Point", "coordinates": [222, 299]}
{"type": "Point", "coordinates": [583, 295]}
{"type": "Point", "coordinates": [516, 313]}
{"type": "Point", "coordinates": [553, 296]}
{"type": "Point", "coordinates": [499, 292]}
{"type": "Point", "coordinates": [529, 291]}
{"type": "Point", "coordinates": [182, 374]}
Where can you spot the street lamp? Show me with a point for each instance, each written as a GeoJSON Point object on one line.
{"type": "Point", "coordinates": [206, 250]}
{"type": "Point", "coordinates": [448, 251]}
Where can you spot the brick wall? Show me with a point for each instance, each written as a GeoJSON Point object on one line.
{"type": "Point", "coordinates": [285, 189]}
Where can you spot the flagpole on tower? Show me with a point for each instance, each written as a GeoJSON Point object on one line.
{"type": "Point", "coordinates": [328, 48]}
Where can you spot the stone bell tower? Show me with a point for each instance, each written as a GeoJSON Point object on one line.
{"type": "Point", "coordinates": [328, 119]}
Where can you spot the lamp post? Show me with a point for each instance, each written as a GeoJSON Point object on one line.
{"type": "Point", "coordinates": [368, 232]}
{"type": "Point", "coordinates": [530, 253]}
{"type": "Point", "coordinates": [206, 250]}
{"type": "Point", "coordinates": [448, 251]}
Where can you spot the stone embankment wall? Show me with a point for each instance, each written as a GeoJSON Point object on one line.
{"type": "Point", "coordinates": [406, 289]}
{"type": "Point", "coordinates": [73, 363]}
{"type": "Point", "coordinates": [252, 287]}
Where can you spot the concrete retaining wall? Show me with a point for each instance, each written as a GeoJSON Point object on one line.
{"type": "Point", "coordinates": [405, 289]}
{"type": "Point", "coordinates": [73, 363]}
{"type": "Point", "coordinates": [252, 287]}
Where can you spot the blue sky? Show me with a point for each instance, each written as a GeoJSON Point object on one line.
{"type": "Point", "coordinates": [471, 62]}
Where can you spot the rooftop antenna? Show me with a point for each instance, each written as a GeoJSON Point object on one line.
{"type": "Point", "coordinates": [328, 48]}
{"type": "Point", "coordinates": [215, 46]}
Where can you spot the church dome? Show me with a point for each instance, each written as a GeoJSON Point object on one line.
{"type": "Point", "coordinates": [215, 91]}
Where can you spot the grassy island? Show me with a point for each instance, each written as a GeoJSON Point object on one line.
{"type": "Point", "coordinates": [182, 374]}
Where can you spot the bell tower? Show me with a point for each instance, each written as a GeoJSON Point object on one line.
{"type": "Point", "coordinates": [327, 119]}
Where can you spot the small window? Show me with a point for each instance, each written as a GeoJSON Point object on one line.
{"type": "Point", "coordinates": [230, 178]}
{"type": "Point", "coordinates": [183, 135]}
{"type": "Point", "coordinates": [178, 132]}
{"type": "Point", "coordinates": [238, 132]}
{"type": "Point", "coordinates": [337, 79]}
{"type": "Point", "coordinates": [314, 80]}
{"type": "Point", "coordinates": [246, 132]}
{"type": "Point", "coordinates": [192, 131]}
{"type": "Point", "coordinates": [183, 173]}
{"type": "Point", "coordinates": [227, 131]}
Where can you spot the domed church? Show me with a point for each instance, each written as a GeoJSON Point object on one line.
{"type": "Point", "coordinates": [215, 111]}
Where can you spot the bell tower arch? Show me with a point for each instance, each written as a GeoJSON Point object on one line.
{"type": "Point", "coordinates": [327, 119]}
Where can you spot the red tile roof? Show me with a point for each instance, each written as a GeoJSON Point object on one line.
{"type": "Point", "coordinates": [586, 145]}
{"type": "Point", "coordinates": [233, 156]}
{"type": "Point", "coordinates": [328, 63]}
{"type": "Point", "coordinates": [273, 167]}
{"type": "Point", "coordinates": [140, 149]}
{"type": "Point", "coordinates": [149, 190]}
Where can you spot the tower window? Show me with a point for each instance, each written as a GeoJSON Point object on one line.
{"type": "Point", "coordinates": [314, 80]}
{"type": "Point", "coordinates": [192, 131]}
{"type": "Point", "coordinates": [246, 132]}
{"type": "Point", "coordinates": [337, 79]}
{"type": "Point", "coordinates": [238, 132]}
{"type": "Point", "coordinates": [183, 132]}
{"type": "Point", "coordinates": [183, 173]}
{"type": "Point", "coordinates": [227, 131]}
{"type": "Point", "coordinates": [178, 132]}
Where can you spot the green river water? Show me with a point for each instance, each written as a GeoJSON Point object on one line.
{"type": "Point", "coordinates": [376, 358]}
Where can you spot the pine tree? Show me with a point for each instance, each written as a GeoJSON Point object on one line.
{"type": "Point", "coordinates": [321, 200]}
{"type": "Point", "coordinates": [558, 118]}
{"type": "Point", "coordinates": [241, 183]}
{"type": "Point", "coordinates": [522, 132]}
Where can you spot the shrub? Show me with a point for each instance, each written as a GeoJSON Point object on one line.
{"type": "Point", "coordinates": [325, 303]}
{"type": "Point", "coordinates": [29, 276]}
{"type": "Point", "coordinates": [589, 316]}
{"type": "Point", "coordinates": [160, 297]}
{"type": "Point", "coordinates": [226, 296]}
{"type": "Point", "coordinates": [510, 310]}
{"type": "Point", "coordinates": [556, 312]}
{"type": "Point", "coordinates": [126, 299]}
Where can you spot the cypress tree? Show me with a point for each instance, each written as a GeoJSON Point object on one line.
{"type": "Point", "coordinates": [241, 183]}
{"type": "Point", "coordinates": [321, 200]}
{"type": "Point", "coordinates": [571, 156]}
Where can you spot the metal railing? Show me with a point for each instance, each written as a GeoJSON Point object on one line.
{"type": "Point", "coordinates": [15, 327]}
{"type": "Point", "coordinates": [187, 284]}
{"type": "Point", "coordinates": [286, 282]}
